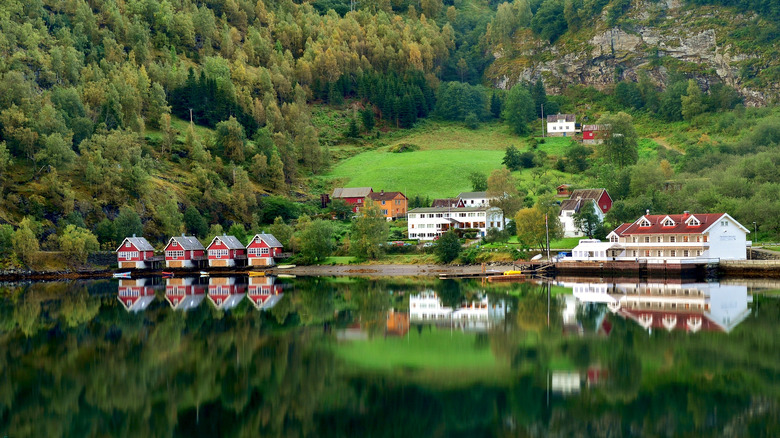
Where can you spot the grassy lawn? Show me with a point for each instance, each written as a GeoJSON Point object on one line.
{"type": "Point", "coordinates": [447, 154]}
{"type": "Point", "coordinates": [339, 260]}
{"type": "Point", "coordinates": [432, 349]}
{"type": "Point", "coordinates": [566, 242]}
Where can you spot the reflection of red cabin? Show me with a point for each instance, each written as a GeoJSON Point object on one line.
{"type": "Point", "coordinates": [689, 321]}
{"type": "Point", "coordinates": [224, 251]}
{"type": "Point", "coordinates": [262, 250]}
{"type": "Point", "coordinates": [224, 293]}
{"type": "Point", "coordinates": [355, 196]}
{"type": "Point", "coordinates": [134, 294]}
{"type": "Point", "coordinates": [183, 293]}
{"type": "Point", "coordinates": [134, 252]}
{"type": "Point", "coordinates": [263, 292]}
{"type": "Point", "coordinates": [184, 252]}
{"type": "Point", "coordinates": [397, 323]}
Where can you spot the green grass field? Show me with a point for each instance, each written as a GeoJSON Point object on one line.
{"type": "Point", "coordinates": [432, 349]}
{"type": "Point", "coordinates": [448, 153]}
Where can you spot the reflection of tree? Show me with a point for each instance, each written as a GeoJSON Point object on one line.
{"type": "Point", "coordinates": [77, 308]}
{"type": "Point", "coordinates": [450, 293]}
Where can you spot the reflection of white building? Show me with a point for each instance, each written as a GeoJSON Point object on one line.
{"type": "Point", "coordinates": [479, 314]}
{"type": "Point", "coordinates": [690, 306]}
{"type": "Point", "coordinates": [184, 293]}
{"type": "Point", "coordinates": [135, 294]}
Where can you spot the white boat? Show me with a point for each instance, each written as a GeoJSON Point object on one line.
{"type": "Point", "coordinates": [121, 275]}
{"type": "Point", "coordinates": [285, 266]}
{"type": "Point", "coordinates": [204, 274]}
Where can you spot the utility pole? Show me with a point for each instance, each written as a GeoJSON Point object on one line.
{"type": "Point", "coordinates": [542, 120]}
{"type": "Point", "coordinates": [547, 231]}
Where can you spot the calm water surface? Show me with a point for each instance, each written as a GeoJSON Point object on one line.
{"type": "Point", "coordinates": [235, 357]}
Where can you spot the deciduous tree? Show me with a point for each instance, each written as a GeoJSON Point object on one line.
{"type": "Point", "coordinates": [448, 247]}
{"type": "Point", "coordinates": [77, 244]}
{"type": "Point", "coordinates": [369, 232]}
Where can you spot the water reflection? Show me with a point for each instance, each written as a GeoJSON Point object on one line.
{"type": "Point", "coordinates": [478, 314]}
{"type": "Point", "coordinates": [689, 307]}
{"type": "Point", "coordinates": [226, 292]}
{"type": "Point", "coordinates": [520, 359]}
{"type": "Point", "coordinates": [136, 294]}
{"type": "Point", "coordinates": [184, 294]}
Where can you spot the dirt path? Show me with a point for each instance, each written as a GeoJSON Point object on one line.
{"type": "Point", "coordinates": [662, 141]}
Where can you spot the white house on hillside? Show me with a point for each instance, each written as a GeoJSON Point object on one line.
{"type": "Point", "coordinates": [676, 237]}
{"type": "Point", "coordinates": [431, 222]}
{"type": "Point", "coordinates": [579, 199]}
{"type": "Point", "coordinates": [475, 199]}
{"type": "Point", "coordinates": [561, 125]}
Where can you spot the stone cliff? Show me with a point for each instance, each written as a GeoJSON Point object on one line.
{"type": "Point", "coordinates": [655, 38]}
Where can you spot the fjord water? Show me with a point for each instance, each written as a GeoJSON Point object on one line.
{"type": "Point", "coordinates": [388, 357]}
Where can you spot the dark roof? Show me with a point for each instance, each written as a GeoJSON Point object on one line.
{"type": "Point", "coordinates": [472, 195]}
{"type": "Point", "coordinates": [450, 210]}
{"type": "Point", "coordinates": [574, 204]}
{"type": "Point", "coordinates": [187, 243]}
{"type": "Point", "coordinates": [230, 241]}
{"type": "Point", "coordinates": [561, 118]}
{"type": "Point", "coordinates": [269, 240]}
{"type": "Point", "coordinates": [445, 202]}
{"type": "Point", "coordinates": [594, 194]}
{"type": "Point", "coordinates": [384, 196]}
{"type": "Point", "coordinates": [351, 192]}
{"type": "Point", "coordinates": [140, 243]}
{"type": "Point", "coordinates": [596, 127]}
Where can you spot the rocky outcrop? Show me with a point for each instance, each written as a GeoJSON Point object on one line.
{"type": "Point", "coordinates": [623, 52]}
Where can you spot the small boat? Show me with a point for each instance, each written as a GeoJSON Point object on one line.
{"type": "Point", "coordinates": [285, 266]}
{"type": "Point", "coordinates": [121, 275]}
{"type": "Point", "coordinates": [513, 272]}
{"type": "Point", "coordinates": [256, 273]}
{"type": "Point", "coordinates": [204, 274]}
{"type": "Point", "coordinates": [166, 274]}
{"type": "Point", "coordinates": [286, 275]}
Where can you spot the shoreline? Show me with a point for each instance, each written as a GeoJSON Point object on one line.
{"type": "Point", "coordinates": [742, 269]}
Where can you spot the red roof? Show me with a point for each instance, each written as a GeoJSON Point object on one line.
{"type": "Point", "coordinates": [682, 224]}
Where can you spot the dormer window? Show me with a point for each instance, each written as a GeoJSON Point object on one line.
{"type": "Point", "coordinates": [693, 222]}
{"type": "Point", "coordinates": [668, 222]}
{"type": "Point", "coordinates": [644, 222]}
{"type": "Point", "coordinates": [174, 243]}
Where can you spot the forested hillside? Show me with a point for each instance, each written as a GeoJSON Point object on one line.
{"type": "Point", "coordinates": [160, 117]}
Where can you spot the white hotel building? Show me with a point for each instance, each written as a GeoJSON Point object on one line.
{"type": "Point", "coordinates": [431, 222]}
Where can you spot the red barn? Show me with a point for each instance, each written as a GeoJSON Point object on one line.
{"type": "Point", "coordinates": [226, 251]}
{"type": "Point", "coordinates": [594, 134]}
{"type": "Point", "coordinates": [262, 250]}
{"type": "Point", "coordinates": [134, 294]}
{"type": "Point", "coordinates": [263, 292]}
{"type": "Point", "coordinates": [183, 293]}
{"type": "Point", "coordinates": [355, 196]}
{"type": "Point", "coordinates": [184, 252]}
{"type": "Point", "coordinates": [224, 293]}
{"type": "Point", "coordinates": [599, 196]}
{"type": "Point", "coordinates": [134, 253]}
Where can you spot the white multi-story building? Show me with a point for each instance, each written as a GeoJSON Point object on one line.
{"type": "Point", "coordinates": [670, 238]}
{"type": "Point", "coordinates": [431, 222]}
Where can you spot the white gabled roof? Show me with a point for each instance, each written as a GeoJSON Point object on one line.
{"type": "Point", "coordinates": [140, 243]}
{"type": "Point", "coordinates": [230, 241]}
{"type": "Point", "coordinates": [269, 239]}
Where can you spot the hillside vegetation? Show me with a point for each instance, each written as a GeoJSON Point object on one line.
{"type": "Point", "coordinates": [158, 118]}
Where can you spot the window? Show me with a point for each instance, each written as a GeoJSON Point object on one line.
{"type": "Point", "coordinates": [644, 223]}
{"type": "Point", "coordinates": [685, 238]}
{"type": "Point", "coordinates": [724, 223]}
{"type": "Point", "coordinates": [660, 253]}
{"type": "Point", "coordinates": [647, 239]}
{"type": "Point", "coordinates": [384, 211]}
{"type": "Point", "coordinates": [673, 239]}
{"type": "Point", "coordinates": [218, 253]}
{"type": "Point", "coordinates": [693, 222]}
{"type": "Point", "coordinates": [685, 253]}
{"type": "Point", "coordinates": [668, 222]}
{"type": "Point", "coordinates": [412, 216]}
{"type": "Point", "coordinates": [673, 253]}
{"type": "Point", "coordinates": [383, 202]}
{"type": "Point", "coordinates": [659, 239]}
{"type": "Point", "coordinates": [175, 243]}
{"type": "Point", "coordinates": [127, 255]}
{"type": "Point", "coordinates": [127, 245]}
{"type": "Point", "coordinates": [613, 238]}
{"type": "Point", "coordinates": [174, 254]}
{"type": "Point", "coordinates": [265, 251]}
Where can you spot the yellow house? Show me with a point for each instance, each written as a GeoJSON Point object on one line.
{"type": "Point", "coordinates": [391, 204]}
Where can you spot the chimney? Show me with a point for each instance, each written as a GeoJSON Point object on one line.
{"type": "Point", "coordinates": [647, 212]}
{"type": "Point", "coordinates": [686, 213]}
{"type": "Point", "coordinates": [133, 234]}
{"type": "Point", "coordinates": [382, 192]}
